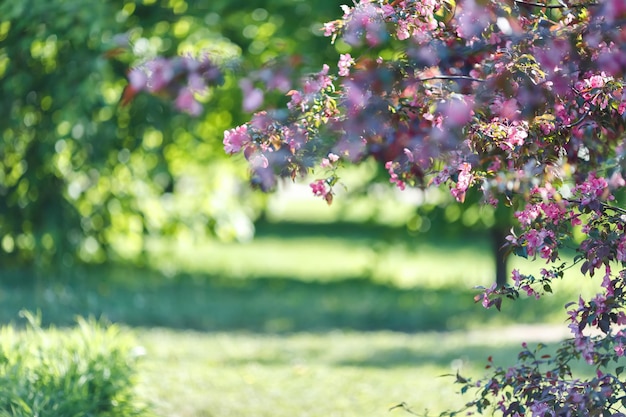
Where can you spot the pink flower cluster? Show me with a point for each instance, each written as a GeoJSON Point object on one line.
{"type": "Point", "coordinates": [364, 20]}
{"type": "Point", "coordinates": [391, 167]}
{"type": "Point", "coordinates": [345, 62]}
{"type": "Point", "coordinates": [592, 191]}
{"type": "Point", "coordinates": [418, 20]}
{"type": "Point", "coordinates": [321, 189]}
{"type": "Point", "coordinates": [236, 139]}
{"type": "Point", "coordinates": [182, 78]}
{"type": "Point", "coordinates": [329, 160]}
{"type": "Point", "coordinates": [464, 180]}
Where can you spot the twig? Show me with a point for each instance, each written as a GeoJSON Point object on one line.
{"type": "Point", "coordinates": [614, 208]}
{"type": "Point", "coordinates": [404, 407]}
{"type": "Point", "coordinates": [604, 205]}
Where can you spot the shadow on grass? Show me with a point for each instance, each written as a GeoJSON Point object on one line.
{"type": "Point", "coordinates": [265, 305]}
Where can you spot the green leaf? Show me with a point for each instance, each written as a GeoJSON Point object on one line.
{"type": "Point", "coordinates": [521, 251]}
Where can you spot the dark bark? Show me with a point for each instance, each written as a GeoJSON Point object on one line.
{"type": "Point", "coordinates": [498, 238]}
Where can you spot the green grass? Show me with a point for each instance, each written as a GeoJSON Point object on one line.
{"type": "Point", "coordinates": [87, 371]}
{"type": "Point", "coordinates": [138, 297]}
{"type": "Point", "coordinates": [329, 374]}
{"type": "Point", "coordinates": [306, 320]}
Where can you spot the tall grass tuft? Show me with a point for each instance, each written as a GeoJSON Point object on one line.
{"type": "Point", "coordinates": [86, 371]}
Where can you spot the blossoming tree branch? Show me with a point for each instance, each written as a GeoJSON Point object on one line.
{"type": "Point", "coordinates": [523, 100]}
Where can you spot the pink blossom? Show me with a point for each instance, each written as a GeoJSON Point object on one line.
{"type": "Point", "coordinates": [345, 61]}
{"type": "Point", "coordinates": [393, 176]}
{"type": "Point", "coordinates": [485, 302]}
{"type": "Point", "coordinates": [252, 100]}
{"type": "Point", "coordinates": [161, 72]}
{"type": "Point", "coordinates": [296, 100]}
{"type": "Point", "coordinates": [252, 97]}
{"type": "Point", "coordinates": [186, 101]}
{"type": "Point", "coordinates": [258, 160]}
{"type": "Point", "coordinates": [319, 188]}
{"type": "Point", "coordinates": [138, 79]}
{"type": "Point", "coordinates": [530, 291]}
{"type": "Point", "coordinates": [330, 28]}
{"type": "Point", "coordinates": [613, 10]}
{"type": "Point", "coordinates": [621, 249]}
{"type": "Point", "coordinates": [402, 30]}
{"type": "Point", "coordinates": [596, 81]}
{"type": "Point", "coordinates": [196, 83]}
{"type": "Point", "coordinates": [516, 135]}
{"type": "Point", "coordinates": [318, 82]}
{"type": "Point", "coordinates": [463, 182]}
{"type": "Point", "coordinates": [535, 240]}
{"type": "Point", "coordinates": [527, 216]}
{"type": "Point", "coordinates": [510, 109]}
{"type": "Point", "coordinates": [235, 139]}
{"type": "Point", "coordinates": [409, 154]}
{"type": "Point", "coordinates": [547, 127]}
{"type": "Point", "coordinates": [472, 20]}
{"type": "Point", "coordinates": [442, 176]}
{"type": "Point", "coordinates": [329, 161]}
{"type": "Point", "coordinates": [495, 165]}
{"type": "Point", "coordinates": [458, 112]}
{"type": "Point", "coordinates": [592, 189]}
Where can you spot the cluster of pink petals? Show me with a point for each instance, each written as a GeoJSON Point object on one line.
{"type": "Point", "coordinates": [236, 139]}
{"type": "Point", "coordinates": [181, 77]}
{"type": "Point", "coordinates": [465, 178]}
{"type": "Point", "coordinates": [345, 62]}
{"type": "Point", "coordinates": [329, 161]}
{"type": "Point", "coordinates": [319, 188]}
{"type": "Point", "coordinates": [391, 167]}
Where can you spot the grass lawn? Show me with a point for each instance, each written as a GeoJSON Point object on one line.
{"type": "Point", "coordinates": [303, 321]}
{"type": "Point", "coordinates": [336, 373]}
{"type": "Point", "coordinates": [309, 374]}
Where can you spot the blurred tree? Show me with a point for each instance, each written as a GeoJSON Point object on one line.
{"type": "Point", "coordinates": [448, 216]}
{"type": "Point", "coordinates": [82, 176]}
{"type": "Point", "coordinates": [437, 213]}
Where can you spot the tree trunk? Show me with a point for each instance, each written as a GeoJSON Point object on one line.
{"type": "Point", "coordinates": [498, 238]}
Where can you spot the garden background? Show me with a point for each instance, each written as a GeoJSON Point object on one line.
{"type": "Point", "coordinates": [235, 302]}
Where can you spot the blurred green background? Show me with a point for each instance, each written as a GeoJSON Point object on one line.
{"type": "Point", "coordinates": [246, 303]}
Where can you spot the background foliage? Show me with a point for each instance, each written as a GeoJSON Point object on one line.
{"type": "Point", "coordinates": [81, 175]}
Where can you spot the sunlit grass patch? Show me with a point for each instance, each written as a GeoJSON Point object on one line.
{"type": "Point", "coordinates": [331, 252]}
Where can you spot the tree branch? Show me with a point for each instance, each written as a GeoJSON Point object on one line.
{"type": "Point", "coordinates": [555, 6]}
{"type": "Point", "coordinates": [605, 206]}
{"type": "Point", "coordinates": [577, 122]}
{"type": "Point", "coordinates": [451, 77]}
